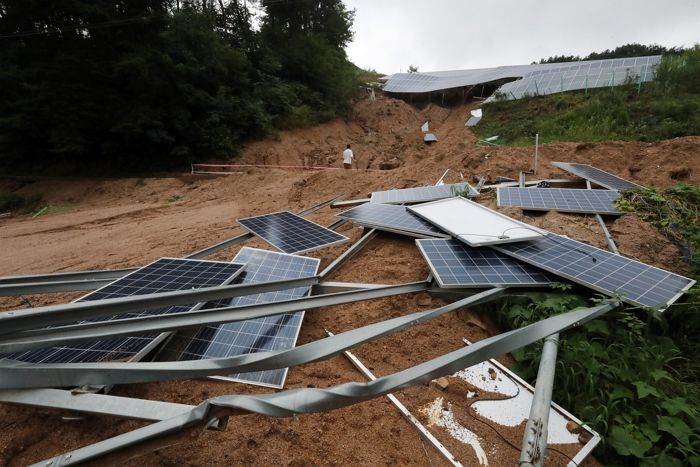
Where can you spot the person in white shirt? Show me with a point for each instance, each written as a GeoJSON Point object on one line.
{"type": "Point", "coordinates": [348, 158]}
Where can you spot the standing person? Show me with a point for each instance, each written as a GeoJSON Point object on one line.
{"type": "Point", "coordinates": [348, 158]}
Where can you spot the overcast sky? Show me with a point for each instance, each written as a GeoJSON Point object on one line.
{"type": "Point", "coordinates": [435, 35]}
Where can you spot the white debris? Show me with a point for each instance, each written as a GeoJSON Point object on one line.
{"type": "Point", "coordinates": [445, 419]}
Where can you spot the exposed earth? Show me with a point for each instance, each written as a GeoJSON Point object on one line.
{"type": "Point", "coordinates": [114, 223]}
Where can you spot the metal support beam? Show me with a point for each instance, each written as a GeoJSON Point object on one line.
{"type": "Point", "coordinates": [349, 253]}
{"type": "Point", "coordinates": [99, 330]}
{"type": "Point", "coordinates": [424, 432]}
{"type": "Point", "coordinates": [32, 318]}
{"type": "Point", "coordinates": [608, 238]}
{"type": "Point", "coordinates": [326, 287]}
{"type": "Point", "coordinates": [350, 202]}
{"type": "Point", "coordinates": [534, 447]}
{"type": "Point", "coordinates": [99, 404]}
{"type": "Point", "coordinates": [27, 288]}
{"type": "Point", "coordinates": [313, 400]}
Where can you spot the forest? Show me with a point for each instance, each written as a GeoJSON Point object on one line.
{"type": "Point", "coordinates": [110, 87]}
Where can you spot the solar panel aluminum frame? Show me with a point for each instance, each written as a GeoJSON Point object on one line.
{"type": "Point", "coordinates": [461, 236]}
{"type": "Point", "coordinates": [442, 285]}
{"type": "Point", "coordinates": [611, 212]}
{"type": "Point", "coordinates": [163, 335]}
{"type": "Point", "coordinates": [593, 286]}
{"type": "Point", "coordinates": [301, 252]}
{"type": "Point", "coordinates": [470, 189]}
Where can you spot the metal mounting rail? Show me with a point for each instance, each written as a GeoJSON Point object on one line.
{"type": "Point", "coordinates": [97, 330]}
{"type": "Point", "coordinates": [314, 400]}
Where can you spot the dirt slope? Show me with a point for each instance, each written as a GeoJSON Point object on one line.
{"type": "Point", "coordinates": [130, 222]}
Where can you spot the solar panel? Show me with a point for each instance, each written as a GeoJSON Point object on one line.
{"type": "Point", "coordinates": [597, 176]}
{"type": "Point", "coordinates": [456, 265]}
{"type": "Point", "coordinates": [290, 233]}
{"type": "Point", "coordinates": [163, 275]}
{"type": "Point", "coordinates": [278, 332]}
{"type": "Point", "coordinates": [422, 194]}
{"type": "Point", "coordinates": [429, 138]}
{"type": "Point", "coordinates": [473, 223]}
{"type": "Point", "coordinates": [472, 121]}
{"type": "Point", "coordinates": [638, 283]}
{"type": "Point", "coordinates": [391, 218]}
{"type": "Point", "coordinates": [559, 199]}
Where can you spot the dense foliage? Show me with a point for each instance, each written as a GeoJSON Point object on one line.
{"type": "Point", "coordinates": [143, 85]}
{"type": "Point", "coordinates": [624, 51]}
{"type": "Point", "coordinates": [665, 108]}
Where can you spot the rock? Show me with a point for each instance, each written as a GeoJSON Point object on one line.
{"type": "Point", "coordinates": [572, 427]}
{"type": "Point", "coordinates": [492, 373]}
{"type": "Point", "coordinates": [584, 437]}
{"type": "Point", "coordinates": [442, 383]}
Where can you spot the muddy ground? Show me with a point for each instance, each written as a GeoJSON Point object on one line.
{"type": "Point", "coordinates": [99, 224]}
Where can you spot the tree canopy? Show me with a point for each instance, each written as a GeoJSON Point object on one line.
{"type": "Point", "coordinates": [111, 86]}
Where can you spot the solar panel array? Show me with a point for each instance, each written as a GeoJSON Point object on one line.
{"type": "Point", "coordinates": [391, 218]}
{"type": "Point", "coordinates": [164, 275]}
{"type": "Point", "coordinates": [256, 335]}
{"type": "Point", "coordinates": [290, 233]}
{"type": "Point", "coordinates": [422, 194]}
{"type": "Point", "coordinates": [638, 283]}
{"type": "Point", "coordinates": [597, 176]}
{"type": "Point", "coordinates": [544, 78]}
{"type": "Point", "coordinates": [456, 265]}
{"type": "Point", "coordinates": [559, 199]}
{"type": "Point", "coordinates": [581, 75]}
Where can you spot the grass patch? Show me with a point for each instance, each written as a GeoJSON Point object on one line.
{"type": "Point", "coordinates": [13, 202]}
{"type": "Point", "coordinates": [666, 108]}
{"type": "Point", "coordinates": [173, 199]}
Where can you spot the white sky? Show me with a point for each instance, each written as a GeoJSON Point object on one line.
{"type": "Point", "coordinates": [436, 35]}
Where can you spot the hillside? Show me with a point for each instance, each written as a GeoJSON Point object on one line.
{"type": "Point", "coordinates": [112, 223]}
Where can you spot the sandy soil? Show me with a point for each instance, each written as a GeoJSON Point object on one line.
{"type": "Point", "coordinates": [129, 222]}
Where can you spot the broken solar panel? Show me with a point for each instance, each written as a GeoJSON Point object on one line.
{"type": "Point", "coordinates": [290, 233]}
{"type": "Point", "coordinates": [422, 194]}
{"type": "Point", "coordinates": [163, 275]}
{"type": "Point", "coordinates": [559, 199]}
{"type": "Point", "coordinates": [456, 265]}
{"type": "Point", "coordinates": [638, 283]}
{"type": "Point", "coordinates": [277, 332]}
{"type": "Point", "coordinates": [391, 218]}
{"type": "Point", "coordinates": [597, 176]}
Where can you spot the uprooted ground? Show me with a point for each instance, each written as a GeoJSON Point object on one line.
{"type": "Point", "coordinates": [98, 224]}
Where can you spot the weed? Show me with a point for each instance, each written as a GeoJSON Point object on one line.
{"type": "Point", "coordinates": [173, 199]}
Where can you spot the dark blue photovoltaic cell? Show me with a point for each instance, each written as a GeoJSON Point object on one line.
{"type": "Point", "coordinates": [638, 283]}
{"type": "Point", "coordinates": [256, 335]}
{"type": "Point", "coordinates": [291, 233]}
{"type": "Point", "coordinates": [391, 217]}
{"type": "Point", "coordinates": [422, 194]}
{"type": "Point", "coordinates": [560, 199]}
{"type": "Point", "coordinates": [164, 275]}
{"type": "Point", "coordinates": [455, 264]}
{"type": "Point", "coordinates": [597, 176]}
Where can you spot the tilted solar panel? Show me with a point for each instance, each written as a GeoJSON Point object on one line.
{"type": "Point", "coordinates": [391, 218]}
{"type": "Point", "coordinates": [256, 335]}
{"type": "Point", "coordinates": [597, 176]}
{"type": "Point", "coordinates": [290, 233]}
{"type": "Point", "coordinates": [163, 275]}
{"type": "Point", "coordinates": [559, 199]}
{"type": "Point", "coordinates": [638, 283]}
{"type": "Point", "coordinates": [456, 265]}
{"type": "Point", "coordinates": [422, 193]}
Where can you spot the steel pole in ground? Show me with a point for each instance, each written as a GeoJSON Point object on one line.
{"type": "Point", "coordinates": [535, 438]}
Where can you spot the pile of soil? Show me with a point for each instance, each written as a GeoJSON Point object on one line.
{"type": "Point", "coordinates": [100, 224]}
